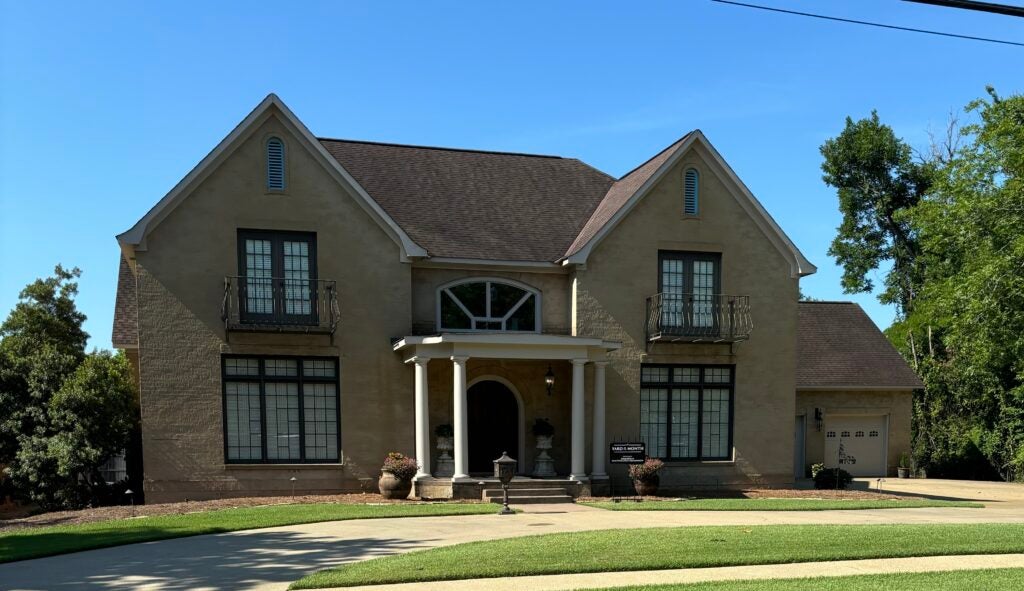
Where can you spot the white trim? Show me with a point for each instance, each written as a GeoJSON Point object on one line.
{"type": "Point", "coordinates": [445, 288]}
{"type": "Point", "coordinates": [800, 265]}
{"type": "Point", "coordinates": [522, 413]}
{"type": "Point", "coordinates": [135, 237]}
{"type": "Point", "coordinates": [478, 264]}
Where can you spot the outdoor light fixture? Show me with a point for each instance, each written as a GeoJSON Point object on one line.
{"type": "Point", "coordinates": [549, 379]}
{"type": "Point", "coordinates": [817, 418]}
{"type": "Point", "coordinates": [504, 470]}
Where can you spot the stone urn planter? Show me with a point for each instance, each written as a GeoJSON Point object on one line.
{"type": "Point", "coordinates": [393, 487]}
{"type": "Point", "coordinates": [903, 470]}
{"type": "Point", "coordinates": [647, 487]}
{"type": "Point", "coordinates": [543, 464]}
{"type": "Point", "coordinates": [645, 476]}
{"type": "Point", "coordinates": [445, 444]}
{"type": "Point", "coordinates": [396, 476]}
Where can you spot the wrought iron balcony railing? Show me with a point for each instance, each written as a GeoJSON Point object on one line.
{"type": "Point", "coordinates": [277, 304]}
{"type": "Point", "coordinates": [698, 318]}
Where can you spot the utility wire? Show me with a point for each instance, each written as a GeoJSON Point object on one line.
{"type": "Point", "coordinates": [1004, 9]}
{"type": "Point", "coordinates": [870, 24]}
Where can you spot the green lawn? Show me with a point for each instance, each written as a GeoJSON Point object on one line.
{"type": "Point", "coordinates": [776, 504]}
{"type": "Point", "coordinates": [1004, 579]}
{"type": "Point", "coordinates": [682, 547]}
{"type": "Point", "coordinates": [46, 541]}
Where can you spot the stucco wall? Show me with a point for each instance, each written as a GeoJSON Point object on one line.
{"type": "Point", "coordinates": [897, 405]}
{"type": "Point", "coordinates": [181, 336]}
{"type": "Point", "coordinates": [623, 270]}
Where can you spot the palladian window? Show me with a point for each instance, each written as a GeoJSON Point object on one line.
{"type": "Point", "coordinates": [488, 305]}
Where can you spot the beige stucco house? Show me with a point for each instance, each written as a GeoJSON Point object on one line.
{"type": "Point", "coordinates": [297, 307]}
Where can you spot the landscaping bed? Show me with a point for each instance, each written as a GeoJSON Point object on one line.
{"type": "Point", "coordinates": [92, 515]}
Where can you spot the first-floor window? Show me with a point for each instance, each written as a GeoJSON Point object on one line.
{"type": "Point", "coordinates": [686, 411]}
{"type": "Point", "coordinates": [281, 409]}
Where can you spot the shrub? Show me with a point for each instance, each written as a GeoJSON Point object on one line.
{"type": "Point", "coordinates": [646, 471]}
{"type": "Point", "coordinates": [542, 428]}
{"type": "Point", "coordinates": [444, 430]}
{"type": "Point", "coordinates": [402, 466]}
{"type": "Point", "coordinates": [825, 478]}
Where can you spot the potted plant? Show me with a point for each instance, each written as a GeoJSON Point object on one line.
{"type": "Point", "coordinates": [903, 470]}
{"type": "Point", "coordinates": [645, 476]}
{"type": "Point", "coordinates": [543, 465]}
{"type": "Point", "coordinates": [445, 444]}
{"type": "Point", "coordinates": [396, 476]}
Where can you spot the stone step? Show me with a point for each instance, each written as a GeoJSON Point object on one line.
{"type": "Point", "coordinates": [533, 499]}
{"type": "Point", "coordinates": [491, 493]}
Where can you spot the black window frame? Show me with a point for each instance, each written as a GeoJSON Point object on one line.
{"type": "Point", "coordinates": [277, 239]}
{"type": "Point", "coordinates": [688, 258]}
{"type": "Point", "coordinates": [700, 386]}
{"type": "Point", "coordinates": [301, 379]}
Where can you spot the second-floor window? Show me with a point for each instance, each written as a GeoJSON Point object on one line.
{"type": "Point", "coordinates": [278, 275]}
{"type": "Point", "coordinates": [688, 282]}
{"type": "Point", "coordinates": [488, 305]}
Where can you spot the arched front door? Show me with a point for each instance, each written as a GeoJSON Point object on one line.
{"type": "Point", "coordinates": [493, 424]}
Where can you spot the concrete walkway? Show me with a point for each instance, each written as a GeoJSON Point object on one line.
{"type": "Point", "coordinates": [269, 559]}
{"type": "Point", "coordinates": [700, 575]}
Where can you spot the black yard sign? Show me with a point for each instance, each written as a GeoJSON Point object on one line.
{"type": "Point", "coordinates": [627, 453]}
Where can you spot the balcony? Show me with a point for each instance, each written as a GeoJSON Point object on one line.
{"type": "Point", "coordinates": [698, 318]}
{"type": "Point", "coordinates": [277, 304]}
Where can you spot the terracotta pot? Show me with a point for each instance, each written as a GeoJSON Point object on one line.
{"type": "Point", "coordinates": [647, 488]}
{"type": "Point", "coordinates": [392, 487]}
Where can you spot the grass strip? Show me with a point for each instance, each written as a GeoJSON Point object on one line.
{"type": "Point", "coordinates": [777, 504]}
{"type": "Point", "coordinates": [27, 543]}
{"type": "Point", "coordinates": [1003, 579]}
{"type": "Point", "coordinates": [664, 548]}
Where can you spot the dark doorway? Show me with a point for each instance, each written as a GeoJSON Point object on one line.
{"type": "Point", "coordinates": [493, 425]}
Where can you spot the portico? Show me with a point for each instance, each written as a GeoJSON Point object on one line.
{"type": "Point", "coordinates": [459, 349]}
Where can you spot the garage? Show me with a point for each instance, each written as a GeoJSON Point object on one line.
{"type": "Point", "coordinates": [863, 441]}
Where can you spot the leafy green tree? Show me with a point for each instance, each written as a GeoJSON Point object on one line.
{"type": "Point", "coordinates": [62, 412]}
{"type": "Point", "coordinates": [878, 184]}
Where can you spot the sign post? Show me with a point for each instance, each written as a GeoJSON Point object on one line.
{"type": "Point", "coordinates": [626, 453]}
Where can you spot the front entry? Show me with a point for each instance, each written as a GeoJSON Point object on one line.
{"type": "Point", "coordinates": [493, 414]}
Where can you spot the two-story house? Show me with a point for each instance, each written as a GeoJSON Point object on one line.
{"type": "Point", "coordinates": [297, 307]}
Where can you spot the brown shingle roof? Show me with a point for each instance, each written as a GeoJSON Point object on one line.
{"type": "Point", "coordinates": [619, 194]}
{"type": "Point", "coordinates": [126, 310]}
{"type": "Point", "coordinates": [475, 204]}
{"type": "Point", "coordinates": [838, 346]}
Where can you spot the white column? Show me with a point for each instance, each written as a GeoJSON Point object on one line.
{"type": "Point", "coordinates": [461, 419]}
{"type": "Point", "coordinates": [598, 457]}
{"type": "Point", "coordinates": [422, 419]}
{"type": "Point", "coordinates": [577, 469]}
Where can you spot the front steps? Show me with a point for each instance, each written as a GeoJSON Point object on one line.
{"type": "Point", "coordinates": [531, 491]}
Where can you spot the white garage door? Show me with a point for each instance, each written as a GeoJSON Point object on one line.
{"type": "Point", "coordinates": [863, 443]}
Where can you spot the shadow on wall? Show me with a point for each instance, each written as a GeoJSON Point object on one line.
{"type": "Point", "coordinates": [212, 562]}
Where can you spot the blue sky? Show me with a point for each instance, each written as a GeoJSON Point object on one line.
{"type": "Point", "coordinates": [104, 106]}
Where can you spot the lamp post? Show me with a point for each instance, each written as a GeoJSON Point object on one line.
{"type": "Point", "coordinates": [504, 470]}
{"type": "Point", "coordinates": [131, 497]}
{"type": "Point", "coordinates": [549, 379]}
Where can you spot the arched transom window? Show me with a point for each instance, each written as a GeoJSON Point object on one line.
{"type": "Point", "coordinates": [488, 305]}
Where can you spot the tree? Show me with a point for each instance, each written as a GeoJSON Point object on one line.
{"type": "Point", "coordinates": [64, 413]}
{"type": "Point", "coordinates": [878, 183]}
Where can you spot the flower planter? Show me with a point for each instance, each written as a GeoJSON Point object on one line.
{"type": "Point", "coordinates": [392, 487]}
{"type": "Point", "coordinates": [648, 487]}
{"type": "Point", "coordinates": [445, 462]}
{"type": "Point", "coordinates": [543, 465]}
{"type": "Point", "coordinates": [903, 472]}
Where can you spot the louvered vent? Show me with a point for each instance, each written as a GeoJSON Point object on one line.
{"type": "Point", "coordinates": [275, 164]}
{"type": "Point", "coordinates": [690, 192]}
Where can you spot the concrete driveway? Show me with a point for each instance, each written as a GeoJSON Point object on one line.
{"type": "Point", "coordinates": [994, 494]}
{"type": "Point", "coordinates": [269, 559]}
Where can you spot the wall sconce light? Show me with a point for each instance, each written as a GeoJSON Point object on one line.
{"type": "Point", "coordinates": [818, 418]}
{"type": "Point", "coordinates": [549, 379]}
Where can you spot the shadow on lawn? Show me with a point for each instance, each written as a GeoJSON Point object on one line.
{"type": "Point", "coordinates": [213, 562]}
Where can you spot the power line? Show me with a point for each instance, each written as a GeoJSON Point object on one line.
{"type": "Point", "coordinates": [870, 24]}
{"type": "Point", "coordinates": [992, 7]}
